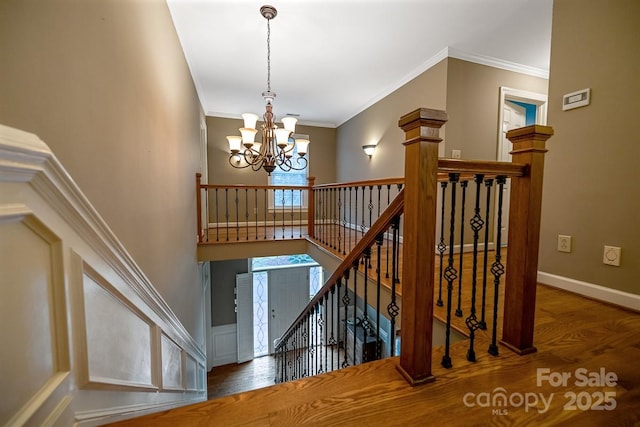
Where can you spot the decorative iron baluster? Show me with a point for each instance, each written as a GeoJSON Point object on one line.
{"type": "Point", "coordinates": [362, 224]}
{"type": "Point", "coordinates": [366, 323]}
{"type": "Point", "coordinates": [488, 183]}
{"type": "Point", "coordinates": [345, 302]}
{"type": "Point", "coordinates": [476, 225]}
{"type": "Point", "coordinates": [379, 240]}
{"type": "Point", "coordinates": [283, 210]}
{"type": "Point", "coordinates": [325, 338]}
{"type": "Point", "coordinates": [266, 196]}
{"type": "Point", "coordinates": [332, 194]}
{"type": "Point", "coordinates": [344, 222]}
{"type": "Point", "coordinates": [217, 218]}
{"type": "Point", "coordinates": [386, 275]}
{"type": "Point", "coordinates": [226, 206]}
{"type": "Point", "coordinates": [332, 338]}
{"type": "Point", "coordinates": [255, 193]}
{"type": "Point", "coordinates": [292, 219]}
{"type": "Point", "coordinates": [370, 207]}
{"type": "Point", "coordinates": [355, 307]}
{"type": "Point", "coordinates": [497, 269]}
{"type": "Point", "coordinates": [237, 217]}
{"type": "Point", "coordinates": [441, 245]}
{"type": "Point", "coordinates": [350, 210]}
{"type": "Point", "coordinates": [392, 308]}
{"type": "Point", "coordinates": [463, 185]}
{"type": "Point", "coordinates": [450, 273]}
{"type": "Point", "coordinates": [355, 226]}
{"type": "Point", "coordinates": [319, 339]}
{"type": "Point", "coordinates": [339, 216]}
{"type": "Point", "coordinates": [246, 211]}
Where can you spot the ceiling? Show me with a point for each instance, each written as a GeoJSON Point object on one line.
{"type": "Point", "coordinates": [332, 59]}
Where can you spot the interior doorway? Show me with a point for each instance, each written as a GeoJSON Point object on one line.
{"type": "Point", "coordinates": [517, 108]}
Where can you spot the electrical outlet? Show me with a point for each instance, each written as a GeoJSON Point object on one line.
{"type": "Point", "coordinates": [564, 243]}
{"type": "Point", "coordinates": [456, 154]}
{"type": "Point", "coordinates": [612, 255]}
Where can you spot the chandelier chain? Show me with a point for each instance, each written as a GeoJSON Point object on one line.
{"type": "Point", "coordinates": [268, 55]}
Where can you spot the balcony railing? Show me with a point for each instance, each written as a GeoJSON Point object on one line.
{"type": "Point", "coordinates": [432, 230]}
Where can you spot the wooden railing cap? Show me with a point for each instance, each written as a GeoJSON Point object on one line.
{"type": "Point", "coordinates": [529, 132]}
{"type": "Point", "coordinates": [423, 117]}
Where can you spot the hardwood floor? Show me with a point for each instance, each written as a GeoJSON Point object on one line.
{"type": "Point", "coordinates": [576, 338]}
{"type": "Point", "coordinates": [572, 333]}
{"type": "Point", "coordinates": [238, 377]}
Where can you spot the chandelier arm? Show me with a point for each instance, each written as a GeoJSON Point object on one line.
{"type": "Point", "coordinates": [237, 165]}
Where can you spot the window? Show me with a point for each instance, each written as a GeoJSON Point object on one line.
{"type": "Point", "coordinates": [287, 198]}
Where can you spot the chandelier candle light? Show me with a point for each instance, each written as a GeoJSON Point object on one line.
{"type": "Point", "coordinates": [278, 145]}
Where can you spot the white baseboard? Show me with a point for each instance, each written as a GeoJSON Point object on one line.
{"type": "Point", "coordinates": [613, 296]}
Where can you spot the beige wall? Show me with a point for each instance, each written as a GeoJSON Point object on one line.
{"type": "Point", "coordinates": [322, 154]}
{"type": "Point", "coordinates": [473, 104]}
{"type": "Point", "coordinates": [378, 124]}
{"type": "Point", "coordinates": [591, 187]}
{"type": "Point", "coordinates": [106, 86]}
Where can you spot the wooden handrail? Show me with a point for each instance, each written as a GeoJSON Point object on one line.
{"type": "Point", "coordinates": [481, 166]}
{"type": "Point", "coordinates": [254, 187]}
{"type": "Point", "coordinates": [367, 183]}
{"type": "Point", "coordinates": [378, 227]}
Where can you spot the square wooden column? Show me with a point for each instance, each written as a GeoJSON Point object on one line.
{"type": "Point", "coordinates": [529, 148]}
{"type": "Point", "coordinates": [422, 136]}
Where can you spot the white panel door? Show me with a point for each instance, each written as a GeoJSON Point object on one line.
{"type": "Point", "coordinates": [288, 295]}
{"type": "Point", "coordinates": [244, 316]}
{"type": "Point", "coordinates": [513, 116]}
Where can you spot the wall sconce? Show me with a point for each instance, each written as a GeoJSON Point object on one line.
{"type": "Point", "coordinates": [369, 149]}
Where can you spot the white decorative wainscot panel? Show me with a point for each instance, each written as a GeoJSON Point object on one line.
{"type": "Point", "coordinates": [225, 347]}
{"type": "Point", "coordinates": [118, 338]}
{"type": "Point", "coordinates": [191, 373]}
{"type": "Point", "coordinates": [171, 364]}
{"type": "Point", "coordinates": [34, 363]}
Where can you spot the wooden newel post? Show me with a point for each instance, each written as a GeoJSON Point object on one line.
{"type": "Point", "coordinates": [524, 237]}
{"type": "Point", "coordinates": [422, 136]}
{"type": "Point", "coordinates": [199, 206]}
{"type": "Point", "coordinates": [311, 208]}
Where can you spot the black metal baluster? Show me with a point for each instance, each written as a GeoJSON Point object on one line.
{"type": "Point", "coordinates": [476, 225]}
{"type": "Point", "coordinates": [362, 225]}
{"type": "Point", "coordinates": [350, 210]}
{"type": "Point", "coordinates": [450, 273]}
{"type": "Point", "coordinates": [442, 247]}
{"type": "Point", "coordinates": [217, 218]}
{"type": "Point", "coordinates": [332, 339]}
{"type": "Point", "coordinates": [237, 217]}
{"type": "Point", "coordinates": [387, 245]}
{"type": "Point", "coordinates": [324, 339]}
{"type": "Point", "coordinates": [497, 269]}
{"type": "Point", "coordinates": [463, 185]}
{"type": "Point", "coordinates": [292, 225]}
{"type": "Point", "coordinates": [355, 307]}
{"type": "Point", "coordinates": [226, 206]}
{"type": "Point", "coordinates": [344, 221]}
{"type": "Point", "coordinates": [255, 194]}
{"type": "Point", "coordinates": [355, 226]}
{"type": "Point", "coordinates": [332, 232]}
{"type": "Point", "coordinates": [339, 190]}
{"type": "Point", "coordinates": [246, 211]}
{"type": "Point", "coordinates": [345, 302]}
{"type": "Point", "coordinates": [392, 308]}
{"type": "Point", "coordinates": [366, 323]}
{"type": "Point", "coordinates": [379, 240]}
{"type": "Point", "coordinates": [266, 197]}
{"type": "Point", "coordinates": [314, 352]}
{"type": "Point", "coordinates": [488, 183]}
{"type": "Point", "coordinates": [283, 210]}
{"type": "Point", "coordinates": [300, 213]}
{"type": "Point", "coordinates": [370, 206]}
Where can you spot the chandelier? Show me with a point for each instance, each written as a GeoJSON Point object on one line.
{"type": "Point", "coordinates": [278, 145]}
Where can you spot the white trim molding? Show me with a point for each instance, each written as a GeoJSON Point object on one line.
{"type": "Point", "coordinates": [100, 303]}
{"type": "Point", "coordinates": [591, 290]}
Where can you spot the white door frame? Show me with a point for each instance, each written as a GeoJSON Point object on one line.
{"type": "Point", "coordinates": [511, 94]}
